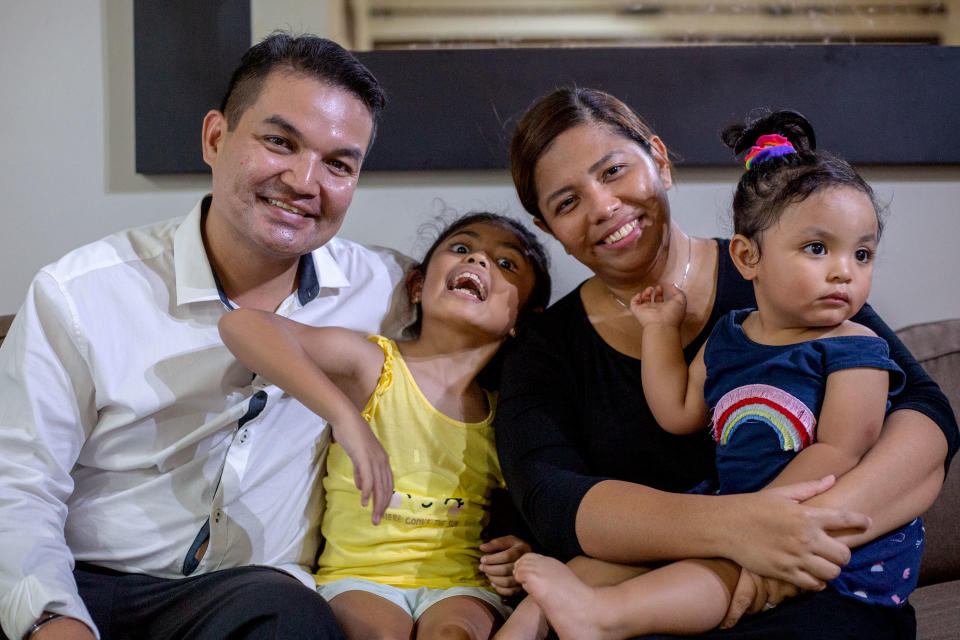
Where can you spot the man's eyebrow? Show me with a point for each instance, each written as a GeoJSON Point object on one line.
{"type": "Point", "coordinates": [596, 165]}
{"type": "Point", "coordinates": [293, 132]}
{"type": "Point", "coordinates": [282, 122]}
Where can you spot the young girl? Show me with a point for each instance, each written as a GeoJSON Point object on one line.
{"type": "Point", "coordinates": [798, 391]}
{"type": "Point", "coordinates": [419, 571]}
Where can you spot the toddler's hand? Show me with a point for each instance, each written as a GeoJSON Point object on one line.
{"type": "Point", "coordinates": [498, 563]}
{"type": "Point", "coordinates": [650, 307]}
{"type": "Point", "coordinates": [371, 464]}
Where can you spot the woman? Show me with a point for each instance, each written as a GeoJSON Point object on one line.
{"type": "Point", "coordinates": [584, 459]}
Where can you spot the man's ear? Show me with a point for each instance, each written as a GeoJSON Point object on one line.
{"type": "Point", "coordinates": [661, 157]}
{"type": "Point", "coordinates": [745, 254]}
{"type": "Point", "coordinates": [214, 128]}
{"type": "Point", "coordinates": [414, 286]}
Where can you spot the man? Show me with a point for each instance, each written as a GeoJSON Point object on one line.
{"type": "Point", "coordinates": [131, 441]}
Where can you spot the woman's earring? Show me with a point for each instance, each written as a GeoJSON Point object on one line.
{"type": "Point", "coordinates": [415, 298]}
{"type": "Point", "coordinates": [513, 332]}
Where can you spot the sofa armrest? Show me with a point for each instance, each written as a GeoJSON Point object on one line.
{"type": "Point", "coordinates": [936, 346]}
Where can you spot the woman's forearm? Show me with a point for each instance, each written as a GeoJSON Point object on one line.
{"type": "Point", "coordinates": [630, 523]}
{"type": "Point", "coordinates": [897, 480]}
{"type": "Point", "coordinates": [767, 532]}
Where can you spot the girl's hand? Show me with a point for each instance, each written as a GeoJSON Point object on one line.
{"type": "Point", "coordinates": [769, 533]}
{"type": "Point", "coordinates": [371, 464]}
{"type": "Point", "coordinates": [650, 307]}
{"type": "Point", "coordinates": [498, 563]}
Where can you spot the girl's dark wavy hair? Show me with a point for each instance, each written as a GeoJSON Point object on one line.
{"type": "Point", "coordinates": [770, 186]}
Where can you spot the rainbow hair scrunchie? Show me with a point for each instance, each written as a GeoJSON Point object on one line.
{"type": "Point", "coordinates": [768, 146]}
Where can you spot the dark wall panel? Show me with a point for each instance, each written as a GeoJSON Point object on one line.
{"type": "Point", "coordinates": [184, 53]}
{"type": "Point", "coordinates": [872, 104]}
{"type": "Point", "coordinates": [456, 109]}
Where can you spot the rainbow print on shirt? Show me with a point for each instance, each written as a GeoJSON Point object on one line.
{"type": "Point", "coordinates": [789, 417]}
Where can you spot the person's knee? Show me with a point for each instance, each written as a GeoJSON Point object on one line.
{"type": "Point", "coordinates": [275, 600]}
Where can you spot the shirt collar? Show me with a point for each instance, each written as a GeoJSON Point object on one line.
{"type": "Point", "coordinates": [195, 279]}
{"type": "Point", "coordinates": [197, 282]}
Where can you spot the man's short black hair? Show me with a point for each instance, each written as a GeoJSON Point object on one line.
{"type": "Point", "coordinates": [305, 55]}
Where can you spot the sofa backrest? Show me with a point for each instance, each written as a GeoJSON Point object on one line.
{"type": "Point", "coordinates": [936, 345]}
{"type": "Point", "coordinates": [5, 322]}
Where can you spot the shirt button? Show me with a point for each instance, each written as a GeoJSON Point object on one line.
{"type": "Point", "coordinates": [217, 515]}
{"type": "Point", "coordinates": [244, 435]}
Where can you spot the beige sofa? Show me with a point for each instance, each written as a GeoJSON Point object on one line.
{"type": "Point", "coordinates": [937, 346]}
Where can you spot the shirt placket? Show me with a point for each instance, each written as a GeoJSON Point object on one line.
{"type": "Point", "coordinates": [215, 532]}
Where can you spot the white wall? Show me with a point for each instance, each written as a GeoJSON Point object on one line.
{"type": "Point", "coordinates": [66, 125]}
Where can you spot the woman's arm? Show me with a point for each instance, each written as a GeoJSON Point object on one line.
{"type": "Point", "coordinates": [897, 480]}
{"type": "Point", "coordinates": [574, 511]}
{"type": "Point", "coordinates": [900, 477]}
{"type": "Point", "coordinates": [332, 371]}
{"type": "Point", "coordinates": [767, 532]}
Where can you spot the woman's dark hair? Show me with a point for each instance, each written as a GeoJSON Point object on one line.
{"type": "Point", "coordinates": [305, 55]}
{"type": "Point", "coordinates": [772, 184]}
{"type": "Point", "coordinates": [556, 112]}
{"type": "Point", "coordinates": [532, 249]}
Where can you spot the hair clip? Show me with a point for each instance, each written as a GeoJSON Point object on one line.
{"type": "Point", "coordinates": [768, 146]}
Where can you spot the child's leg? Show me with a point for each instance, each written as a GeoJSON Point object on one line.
{"type": "Point", "coordinates": [528, 622]}
{"type": "Point", "coordinates": [458, 617]}
{"type": "Point", "coordinates": [690, 596]}
{"type": "Point", "coordinates": [365, 616]}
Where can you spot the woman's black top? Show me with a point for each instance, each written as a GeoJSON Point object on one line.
{"type": "Point", "coordinates": [572, 413]}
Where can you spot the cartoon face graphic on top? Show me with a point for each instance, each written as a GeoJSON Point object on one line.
{"type": "Point", "coordinates": [448, 506]}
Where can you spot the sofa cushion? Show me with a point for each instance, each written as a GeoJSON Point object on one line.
{"type": "Point", "coordinates": [938, 611]}
{"type": "Point", "coordinates": [936, 345]}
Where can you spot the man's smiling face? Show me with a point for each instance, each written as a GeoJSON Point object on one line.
{"type": "Point", "coordinates": [285, 174]}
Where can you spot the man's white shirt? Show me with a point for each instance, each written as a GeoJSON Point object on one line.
{"type": "Point", "coordinates": [126, 426]}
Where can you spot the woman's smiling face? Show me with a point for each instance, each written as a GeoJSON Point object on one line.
{"type": "Point", "coordinates": [604, 197]}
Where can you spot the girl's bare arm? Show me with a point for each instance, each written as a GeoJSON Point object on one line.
{"type": "Point", "coordinates": [332, 371]}
{"type": "Point", "coordinates": [674, 392]}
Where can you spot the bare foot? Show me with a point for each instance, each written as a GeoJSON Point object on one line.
{"type": "Point", "coordinates": [527, 622]}
{"type": "Point", "coordinates": [570, 605]}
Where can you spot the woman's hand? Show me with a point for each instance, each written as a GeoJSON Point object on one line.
{"type": "Point", "coordinates": [498, 563]}
{"type": "Point", "coordinates": [371, 464]}
{"type": "Point", "coordinates": [755, 593]}
{"type": "Point", "coordinates": [650, 307]}
{"type": "Point", "coordinates": [769, 533]}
